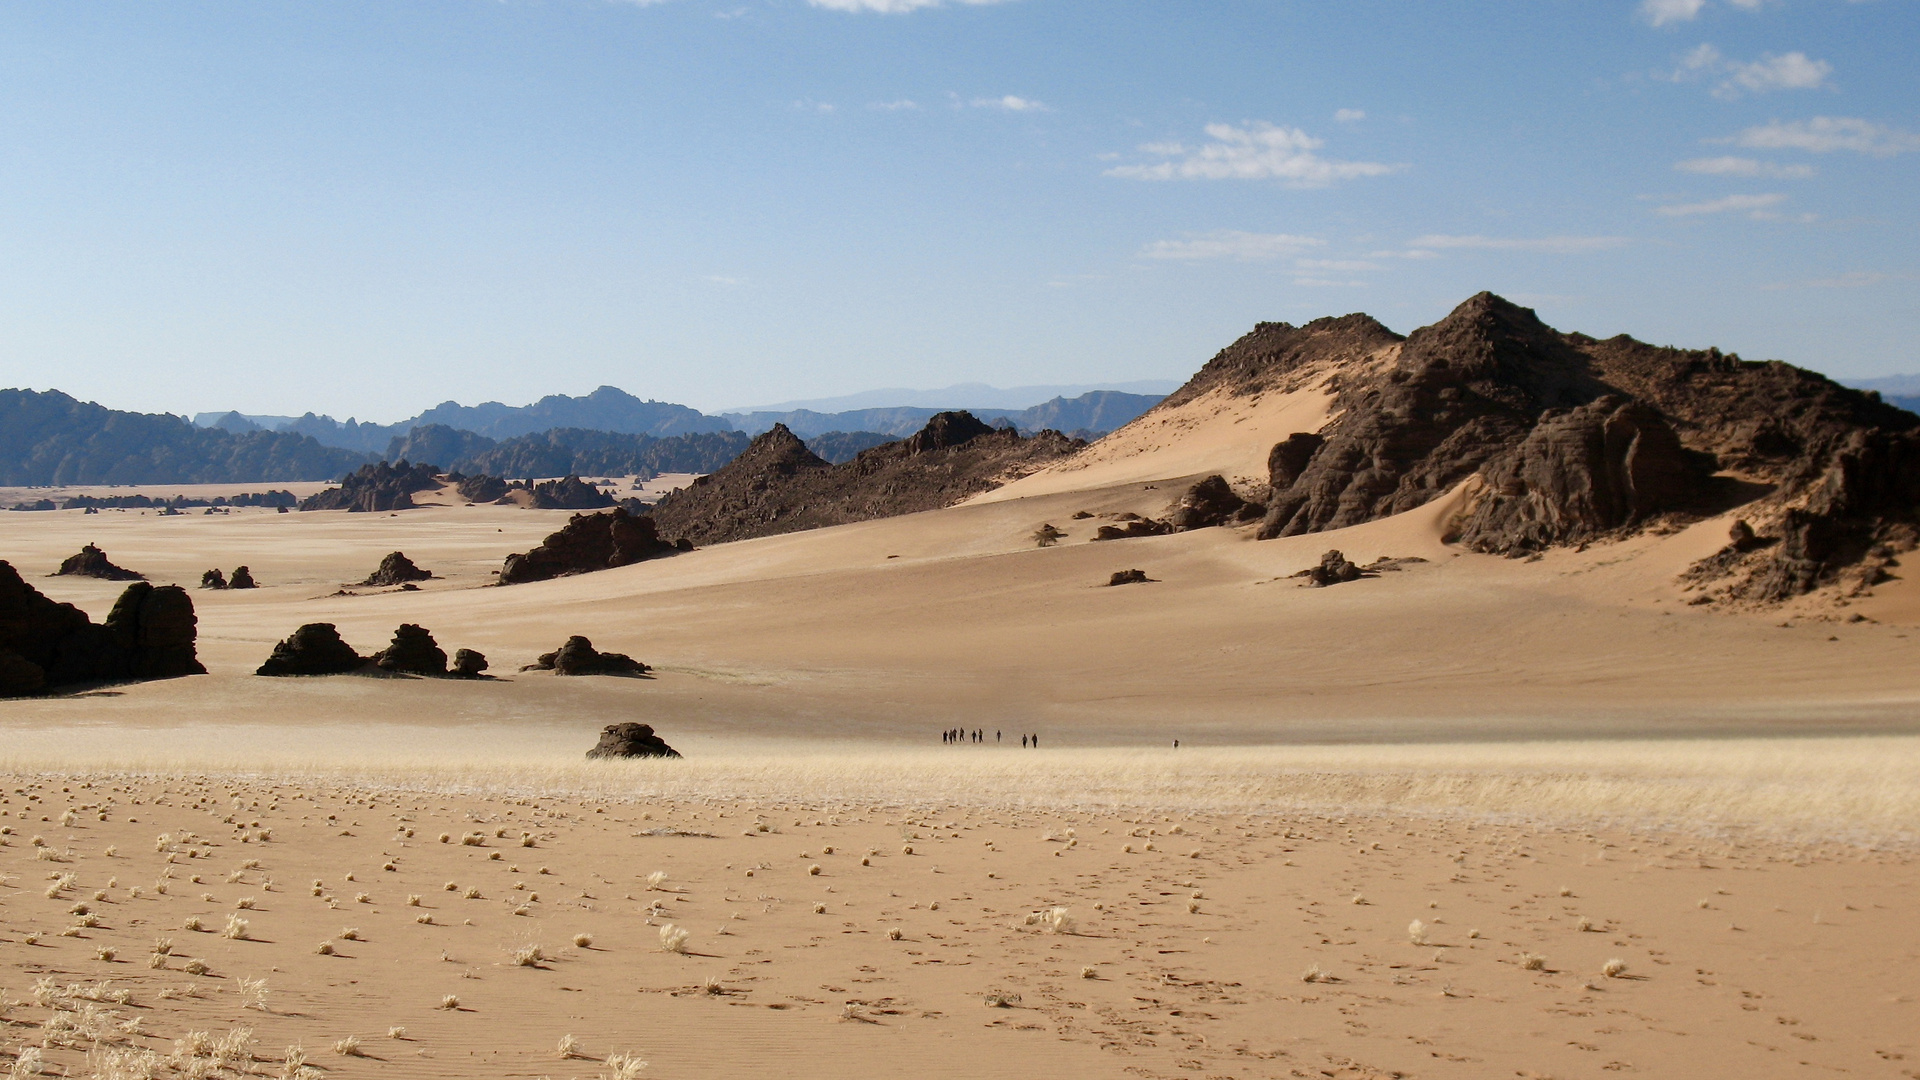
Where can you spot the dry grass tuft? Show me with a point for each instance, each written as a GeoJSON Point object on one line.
{"type": "Point", "coordinates": [1614, 968]}
{"type": "Point", "coordinates": [673, 938]}
{"type": "Point", "coordinates": [348, 1047]}
{"type": "Point", "coordinates": [583, 941]}
{"type": "Point", "coordinates": [527, 956]}
{"type": "Point", "coordinates": [1532, 962]}
{"type": "Point", "coordinates": [623, 1067]}
{"type": "Point", "coordinates": [236, 929]}
{"type": "Point", "coordinates": [569, 1048]}
{"type": "Point", "coordinates": [1314, 974]}
{"type": "Point", "coordinates": [450, 1002]}
{"type": "Point", "coordinates": [1417, 932]}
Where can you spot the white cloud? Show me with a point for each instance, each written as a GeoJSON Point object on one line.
{"type": "Point", "coordinates": [1792, 71]}
{"type": "Point", "coordinates": [1010, 103]}
{"type": "Point", "coordinates": [1742, 166]}
{"type": "Point", "coordinates": [1825, 134]}
{"type": "Point", "coordinates": [1259, 151]}
{"type": "Point", "coordinates": [902, 105]}
{"type": "Point", "coordinates": [1753, 203]}
{"type": "Point", "coordinates": [1549, 245]}
{"type": "Point", "coordinates": [889, 7]}
{"type": "Point", "coordinates": [1662, 12]}
{"type": "Point", "coordinates": [1231, 244]}
{"type": "Point", "coordinates": [1348, 116]}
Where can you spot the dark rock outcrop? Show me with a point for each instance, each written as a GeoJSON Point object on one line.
{"type": "Point", "coordinates": [313, 649]}
{"type": "Point", "coordinates": [481, 488]}
{"type": "Point", "coordinates": [396, 569]}
{"type": "Point", "coordinates": [412, 652]}
{"type": "Point", "coordinates": [630, 740]}
{"type": "Point", "coordinates": [242, 579]}
{"type": "Point", "coordinates": [1333, 570]}
{"type": "Point", "coordinates": [579, 657]}
{"type": "Point", "coordinates": [1128, 577]}
{"type": "Point", "coordinates": [377, 488]}
{"type": "Point", "coordinates": [1134, 527]}
{"type": "Point", "coordinates": [569, 493]}
{"type": "Point", "coordinates": [589, 542]}
{"type": "Point", "coordinates": [1212, 502]}
{"type": "Point", "coordinates": [779, 486]}
{"type": "Point", "coordinates": [92, 562]}
{"type": "Point", "coordinates": [45, 645]}
{"type": "Point", "coordinates": [468, 664]}
{"type": "Point", "coordinates": [213, 579]}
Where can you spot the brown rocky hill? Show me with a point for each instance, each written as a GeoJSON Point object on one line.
{"type": "Point", "coordinates": [778, 486]}
{"type": "Point", "coordinates": [1566, 439]}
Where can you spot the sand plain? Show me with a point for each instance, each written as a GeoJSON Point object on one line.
{"type": "Point", "coordinates": [1726, 799]}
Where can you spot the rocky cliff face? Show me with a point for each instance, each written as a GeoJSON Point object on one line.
{"type": "Point", "coordinates": [779, 486]}
{"type": "Point", "coordinates": [1567, 439]}
{"type": "Point", "coordinates": [377, 488]}
{"type": "Point", "coordinates": [45, 645]}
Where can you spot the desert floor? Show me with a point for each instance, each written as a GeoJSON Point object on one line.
{"type": "Point", "coordinates": [1497, 748]}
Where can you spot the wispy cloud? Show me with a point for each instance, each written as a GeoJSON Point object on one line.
{"type": "Point", "coordinates": [1753, 204]}
{"type": "Point", "coordinates": [1742, 166]}
{"type": "Point", "coordinates": [1548, 245]}
{"type": "Point", "coordinates": [1348, 116]}
{"type": "Point", "coordinates": [1662, 12]}
{"type": "Point", "coordinates": [1010, 103]}
{"type": "Point", "coordinates": [1343, 265]}
{"type": "Point", "coordinates": [1259, 151]}
{"type": "Point", "coordinates": [891, 7]}
{"type": "Point", "coordinates": [1231, 244]}
{"type": "Point", "coordinates": [901, 105]}
{"type": "Point", "coordinates": [1826, 134]}
{"type": "Point", "coordinates": [1789, 71]}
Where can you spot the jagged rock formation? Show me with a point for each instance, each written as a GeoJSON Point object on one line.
{"type": "Point", "coordinates": [377, 488]}
{"type": "Point", "coordinates": [779, 486]}
{"type": "Point", "coordinates": [1332, 570]}
{"type": "Point", "coordinates": [396, 569]}
{"type": "Point", "coordinates": [213, 579]}
{"type": "Point", "coordinates": [44, 645]}
{"type": "Point", "coordinates": [1131, 526]}
{"type": "Point", "coordinates": [1212, 502]}
{"type": "Point", "coordinates": [1128, 577]}
{"type": "Point", "coordinates": [1565, 439]}
{"type": "Point", "coordinates": [481, 488]}
{"type": "Point", "coordinates": [313, 649]}
{"type": "Point", "coordinates": [579, 657]}
{"type": "Point", "coordinates": [412, 652]}
{"type": "Point", "coordinates": [569, 493]}
{"type": "Point", "coordinates": [242, 579]}
{"type": "Point", "coordinates": [468, 664]}
{"type": "Point", "coordinates": [631, 740]}
{"type": "Point", "coordinates": [590, 542]}
{"type": "Point", "coordinates": [92, 562]}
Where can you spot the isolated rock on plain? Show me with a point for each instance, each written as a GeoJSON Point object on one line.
{"type": "Point", "coordinates": [91, 562]}
{"type": "Point", "coordinates": [589, 542]}
{"type": "Point", "coordinates": [396, 569]}
{"type": "Point", "coordinates": [412, 652]}
{"type": "Point", "coordinates": [313, 649]}
{"type": "Point", "coordinates": [579, 657]}
{"type": "Point", "coordinates": [631, 740]}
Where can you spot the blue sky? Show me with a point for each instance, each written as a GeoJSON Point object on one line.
{"type": "Point", "coordinates": [367, 208]}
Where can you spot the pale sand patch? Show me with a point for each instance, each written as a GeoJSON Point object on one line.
{"type": "Point", "coordinates": [848, 921]}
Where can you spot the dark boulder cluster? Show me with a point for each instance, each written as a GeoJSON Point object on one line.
{"type": "Point", "coordinates": [1131, 526]}
{"type": "Point", "coordinates": [1128, 577]}
{"type": "Point", "coordinates": [631, 740]}
{"type": "Point", "coordinates": [396, 569]}
{"type": "Point", "coordinates": [569, 493]}
{"type": "Point", "coordinates": [578, 657]}
{"type": "Point", "coordinates": [590, 542]}
{"type": "Point", "coordinates": [1333, 569]}
{"type": "Point", "coordinates": [242, 579]}
{"type": "Point", "coordinates": [91, 562]}
{"type": "Point", "coordinates": [480, 488]}
{"type": "Point", "coordinates": [1210, 503]}
{"type": "Point", "coordinates": [45, 645]}
{"type": "Point", "coordinates": [318, 649]}
{"type": "Point", "coordinates": [377, 488]}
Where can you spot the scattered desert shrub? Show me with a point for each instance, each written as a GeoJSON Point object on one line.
{"type": "Point", "coordinates": [1314, 974]}
{"type": "Point", "coordinates": [583, 941]}
{"type": "Point", "coordinates": [450, 1002]}
{"type": "Point", "coordinates": [1417, 932]}
{"type": "Point", "coordinates": [569, 1048]}
{"type": "Point", "coordinates": [1533, 962]}
{"type": "Point", "coordinates": [673, 938]}
{"type": "Point", "coordinates": [1614, 968]}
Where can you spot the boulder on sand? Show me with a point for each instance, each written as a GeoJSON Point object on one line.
{"type": "Point", "coordinates": [468, 664]}
{"type": "Point", "coordinates": [314, 649]}
{"type": "Point", "coordinates": [569, 493]}
{"type": "Point", "coordinates": [1128, 577]}
{"type": "Point", "coordinates": [579, 657]}
{"type": "Point", "coordinates": [631, 740]}
{"type": "Point", "coordinates": [156, 626]}
{"type": "Point", "coordinates": [1212, 502]}
{"type": "Point", "coordinates": [589, 542]}
{"type": "Point", "coordinates": [413, 652]}
{"type": "Point", "coordinates": [397, 569]}
{"type": "Point", "coordinates": [242, 579]}
{"type": "Point", "coordinates": [92, 562]}
{"type": "Point", "coordinates": [45, 645]}
{"type": "Point", "coordinates": [1333, 569]}
{"type": "Point", "coordinates": [213, 579]}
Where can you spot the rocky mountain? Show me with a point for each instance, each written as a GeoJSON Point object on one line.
{"type": "Point", "coordinates": [1566, 439]}
{"type": "Point", "coordinates": [377, 488]}
{"type": "Point", "coordinates": [777, 485]}
{"type": "Point", "coordinates": [570, 452]}
{"type": "Point", "coordinates": [1097, 411]}
{"type": "Point", "coordinates": [50, 438]}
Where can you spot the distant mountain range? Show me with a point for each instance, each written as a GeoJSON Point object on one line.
{"type": "Point", "coordinates": [1900, 390]}
{"type": "Point", "coordinates": [977, 398]}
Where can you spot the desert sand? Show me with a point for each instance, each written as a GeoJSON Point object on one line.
{"type": "Point", "coordinates": [1551, 764]}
